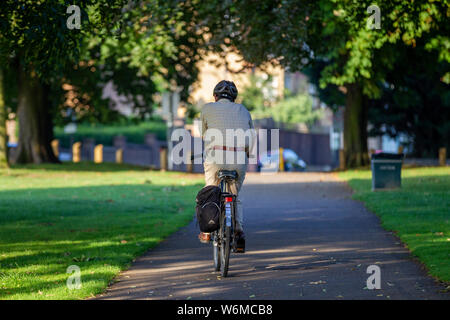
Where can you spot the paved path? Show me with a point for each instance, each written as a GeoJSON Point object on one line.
{"type": "Point", "coordinates": [306, 239]}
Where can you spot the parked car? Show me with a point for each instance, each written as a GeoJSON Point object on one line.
{"type": "Point", "coordinates": [292, 162]}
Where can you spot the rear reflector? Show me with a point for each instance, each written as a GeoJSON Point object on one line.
{"type": "Point", "coordinates": [228, 199]}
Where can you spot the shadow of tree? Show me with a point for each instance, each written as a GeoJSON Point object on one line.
{"type": "Point", "coordinates": [82, 166]}
{"type": "Point", "coordinates": [45, 230]}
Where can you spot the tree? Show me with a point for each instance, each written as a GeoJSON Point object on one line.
{"type": "Point", "coordinates": [295, 109]}
{"type": "Point", "coordinates": [35, 121]}
{"type": "Point", "coordinates": [35, 41]}
{"type": "Point", "coordinates": [259, 99]}
{"type": "Point", "coordinates": [296, 34]}
{"type": "Point", "coordinates": [131, 42]}
{"type": "Point", "coordinates": [415, 101]}
{"type": "Point", "coordinates": [157, 49]}
{"type": "Point", "coordinates": [368, 54]}
{"type": "Point", "coordinates": [3, 142]}
{"type": "Point", "coordinates": [256, 96]}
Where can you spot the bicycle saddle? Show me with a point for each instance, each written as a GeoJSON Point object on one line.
{"type": "Point", "coordinates": [228, 174]}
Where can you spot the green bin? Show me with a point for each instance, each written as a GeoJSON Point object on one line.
{"type": "Point", "coordinates": [386, 170]}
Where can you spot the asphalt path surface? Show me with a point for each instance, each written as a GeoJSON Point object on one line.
{"type": "Point", "coordinates": [306, 239]}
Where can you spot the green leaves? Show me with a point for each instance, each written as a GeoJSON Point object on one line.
{"type": "Point", "coordinates": [295, 109]}
{"type": "Point", "coordinates": [297, 33]}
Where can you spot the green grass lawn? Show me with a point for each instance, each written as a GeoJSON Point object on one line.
{"type": "Point", "coordinates": [104, 134]}
{"type": "Point", "coordinates": [96, 216]}
{"type": "Point", "coordinates": [419, 212]}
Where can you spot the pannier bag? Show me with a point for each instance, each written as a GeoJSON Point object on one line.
{"type": "Point", "coordinates": [208, 208]}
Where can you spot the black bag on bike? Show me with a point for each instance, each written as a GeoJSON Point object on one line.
{"type": "Point", "coordinates": [208, 208]}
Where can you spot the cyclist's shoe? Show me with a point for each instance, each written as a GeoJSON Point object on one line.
{"type": "Point", "coordinates": [204, 237]}
{"type": "Point", "coordinates": [240, 242]}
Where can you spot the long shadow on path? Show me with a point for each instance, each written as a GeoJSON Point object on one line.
{"type": "Point", "coordinates": [306, 239]}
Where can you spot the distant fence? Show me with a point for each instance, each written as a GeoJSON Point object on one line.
{"type": "Point", "coordinates": [313, 148]}
{"type": "Point", "coordinates": [147, 154]}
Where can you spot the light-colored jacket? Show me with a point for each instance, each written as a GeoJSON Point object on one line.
{"type": "Point", "coordinates": [223, 115]}
{"type": "Point", "coordinates": [217, 117]}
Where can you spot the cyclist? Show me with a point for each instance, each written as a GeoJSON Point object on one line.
{"type": "Point", "coordinates": [222, 115]}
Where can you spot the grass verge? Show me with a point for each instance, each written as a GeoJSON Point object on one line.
{"type": "Point", "coordinates": [104, 134]}
{"type": "Point", "coordinates": [419, 212]}
{"type": "Point", "coordinates": [98, 217]}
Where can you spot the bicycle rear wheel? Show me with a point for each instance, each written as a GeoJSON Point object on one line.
{"type": "Point", "coordinates": [225, 246]}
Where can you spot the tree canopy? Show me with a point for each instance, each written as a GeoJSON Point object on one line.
{"type": "Point", "coordinates": [337, 34]}
{"type": "Point", "coordinates": [142, 47]}
{"type": "Point", "coordinates": [351, 50]}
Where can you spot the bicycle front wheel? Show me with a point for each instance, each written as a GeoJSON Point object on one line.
{"type": "Point", "coordinates": [225, 246]}
{"type": "Point", "coordinates": [216, 252]}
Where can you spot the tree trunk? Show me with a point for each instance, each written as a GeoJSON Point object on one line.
{"type": "Point", "coordinates": [355, 127]}
{"type": "Point", "coordinates": [35, 120]}
{"type": "Point", "coordinates": [3, 137]}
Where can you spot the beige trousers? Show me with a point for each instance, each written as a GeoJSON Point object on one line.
{"type": "Point", "coordinates": [211, 170]}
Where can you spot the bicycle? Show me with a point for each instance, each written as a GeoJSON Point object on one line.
{"type": "Point", "coordinates": [223, 239]}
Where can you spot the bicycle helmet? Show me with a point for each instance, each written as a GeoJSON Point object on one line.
{"type": "Point", "coordinates": [226, 89]}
